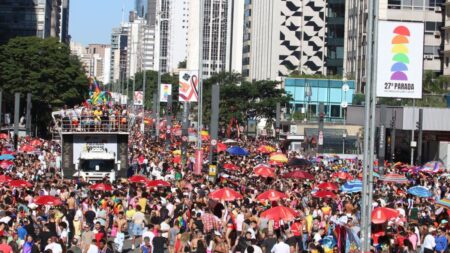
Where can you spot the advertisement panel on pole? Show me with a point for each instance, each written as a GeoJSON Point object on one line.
{"type": "Point", "coordinates": [188, 86]}
{"type": "Point", "coordinates": [138, 98]}
{"type": "Point", "coordinates": [165, 92]}
{"type": "Point", "coordinates": [400, 59]}
{"type": "Point", "coordinates": [198, 162]}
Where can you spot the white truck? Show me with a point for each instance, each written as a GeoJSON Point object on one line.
{"type": "Point", "coordinates": [96, 163]}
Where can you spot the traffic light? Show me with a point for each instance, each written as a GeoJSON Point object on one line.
{"type": "Point", "coordinates": [418, 125]}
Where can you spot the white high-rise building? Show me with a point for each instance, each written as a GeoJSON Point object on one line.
{"type": "Point", "coordinates": [95, 59]}
{"type": "Point", "coordinates": [222, 36]}
{"type": "Point", "coordinates": [429, 12]}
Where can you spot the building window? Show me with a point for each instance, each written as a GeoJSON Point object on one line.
{"type": "Point", "coordinates": [335, 111]}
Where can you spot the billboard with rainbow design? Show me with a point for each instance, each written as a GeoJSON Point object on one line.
{"type": "Point", "coordinates": [400, 59]}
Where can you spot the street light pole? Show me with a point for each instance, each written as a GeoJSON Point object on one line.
{"type": "Point", "coordinates": [200, 75]}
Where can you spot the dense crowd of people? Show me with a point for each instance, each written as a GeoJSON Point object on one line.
{"type": "Point", "coordinates": [181, 213]}
{"type": "Point", "coordinates": [92, 118]}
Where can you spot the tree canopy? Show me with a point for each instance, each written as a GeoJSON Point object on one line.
{"type": "Point", "coordinates": [46, 69]}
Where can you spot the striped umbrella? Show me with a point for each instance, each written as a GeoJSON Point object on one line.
{"type": "Point", "coordinates": [433, 167]}
{"type": "Point", "coordinates": [394, 178]}
{"type": "Point", "coordinates": [443, 203]}
{"type": "Point", "coordinates": [352, 186]}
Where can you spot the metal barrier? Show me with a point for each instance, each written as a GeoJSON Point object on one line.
{"type": "Point", "coordinates": [94, 124]}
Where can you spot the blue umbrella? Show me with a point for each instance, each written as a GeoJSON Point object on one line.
{"type": "Point", "coordinates": [420, 191]}
{"type": "Point", "coordinates": [352, 186]}
{"type": "Point", "coordinates": [237, 151]}
{"type": "Point", "coordinates": [7, 157]}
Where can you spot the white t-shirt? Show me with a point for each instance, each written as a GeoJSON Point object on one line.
{"type": "Point", "coordinates": [92, 249]}
{"type": "Point", "coordinates": [239, 221]}
{"type": "Point", "coordinates": [280, 247]}
{"type": "Point", "coordinates": [165, 227]}
{"type": "Point", "coordinates": [252, 231]}
{"type": "Point", "coordinates": [148, 234]}
{"type": "Point", "coordinates": [56, 247]}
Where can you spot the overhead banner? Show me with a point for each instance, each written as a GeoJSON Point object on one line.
{"type": "Point", "coordinates": [400, 59]}
{"type": "Point", "coordinates": [165, 92]}
{"type": "Point", "coordinates": [188, 86]}
{"type": "Point", "coordinates": [138, 98]}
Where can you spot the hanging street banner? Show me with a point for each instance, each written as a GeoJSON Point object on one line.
{"type": "Point", "coordinates": [138, 98]}
{"type": "Point", "coordinates": [188, 86]}
{"type": "Point", "coordinates": [165, 92]}
{"type": "Point", "coordinates": [400, 59]}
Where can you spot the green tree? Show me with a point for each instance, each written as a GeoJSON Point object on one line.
{"type": "Point", "coordinates": [243, 100]}
{"type": "Point", "coordinates": [45, 68]}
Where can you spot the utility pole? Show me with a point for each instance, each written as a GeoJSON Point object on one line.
{"type": "Point", "coordinates": [413, 143]}
{"type": "Point", "coordinates": [393, 130]}
{"type": "Point", "coordinates": [214, 129]}
{"type": "Point", "coordinates": [16, 118]}
{"type": "Point", "coordinates": [369, 125]}
{"type": "Point", "coordinates": [28, 115]}
{"type": "Point", "coordinates": [381, 141]}
{"type": "Point", "coordinates": [184, 133]}
{"type": "Point", "coordinates": [168, 121]}
{"type": "Point", "coordinates": [277, 122]}
{"type": "Point", "coordinates": [419, 140]}
{"type": "Point", "coordinates": [200, 77]}
{"type": "Point", "coordinates": [320, 132]}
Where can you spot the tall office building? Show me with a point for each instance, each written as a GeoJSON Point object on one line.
{"type": "Point", "coordinates": [141, 7]}
{"type": "Point", "coordinates": [223, 22]}
{"type": "Point", "coordinates": [119, 53]}
{"type": "Point", "coordinates": [446, 60]}
{"type": "Point", "coordinates": [41, 18]}
{"type": "Point", "coordinates": [429, 12]}
{"type": "Point", "coordinates": [283, 36]}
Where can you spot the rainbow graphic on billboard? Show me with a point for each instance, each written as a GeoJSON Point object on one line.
{"type": "Point", "coordinates": [400, 54]}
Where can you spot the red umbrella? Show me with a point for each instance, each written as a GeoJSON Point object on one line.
{"type": "Point", "coordinates": [157, 183]}
{"type": "Point", "coordinates": [280, 213]}
{"type": "Point", "coordinates": [47, 200]}
{"type": "Point", "coordinates": [176, 159]}
{"type": "Point", "coordinates": [101, 187]}
{"type": "Point", "coordinates": [6, 163]}
{"type": "Point", "coordinates": [324, 194]}
{"type": "Point", "coordinates": [264, 149]}
{"type": "Point", "coordinates": [5, 178]}
{"type": "Point", "coordinates": [26, 149]}
{"type": "Point", "coordinates": [8, 152]}
{"type": "Point", "coordinates": [264, 172]}
{"type": "Point", "coordinates": [225, 194]}
{"type": "Point", "coordinates": [36, 142]}
{"type": "Point", "coordinates": [382, 214]}
{"type": "Point", "coordinates": [275, 163]}
{"type": "Point", "coordinates": [299, 174]}
{"type": "Point", "coordinates": [342, 175]}
{"type": "Point", "coordinates": [4, 136]}
{"type": "Point", "coordinates": [271, 195]}
{"type": "Point", "coordinates": [138, 179]}
{"type": "Point", "coordinates": [221, 147]}
{"type": "Point", "coordinates": [328, 186]}
{"type": "Point", "coordinates": [259, 166]}
{"type": "Point", "coordinates": [20, 183]}
{"type": "Point", "coordinates": [231, 167]}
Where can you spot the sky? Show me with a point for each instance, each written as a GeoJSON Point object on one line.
{"type": "Point", "coordinates": [91, 21]}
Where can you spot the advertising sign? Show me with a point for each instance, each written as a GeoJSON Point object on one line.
{"type": "Point", "coordinates": [400, 59]}
{"type": "Point", "coordinates": [165, 92]}
{"type": "Point", "coordinates": [83, 143]}
{"type": "Point", "coordinates": [188, 86]}
{"type": "Point", "coordinates": [138, 98]}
